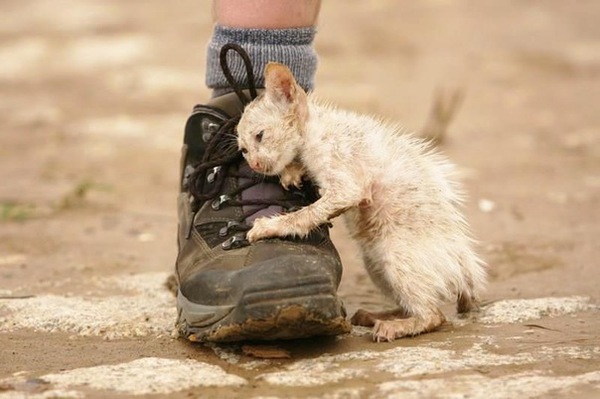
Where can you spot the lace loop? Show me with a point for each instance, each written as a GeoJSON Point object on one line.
{"type": "Point", "coordinates": [229, 76]}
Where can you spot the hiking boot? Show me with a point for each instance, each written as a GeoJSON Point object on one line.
{"type": "Point", "coordinates": [230, 290]}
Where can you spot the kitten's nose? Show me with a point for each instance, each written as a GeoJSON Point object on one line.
{"type": "Point", "coordinates": [256, 165]}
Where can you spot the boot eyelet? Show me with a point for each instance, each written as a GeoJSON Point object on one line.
{"type": "Point", "coordinates": [213, 175]}
{"type": "Point", "coordinates": [225, 230]}
{"type": "Point", "coordinates": [216, 204]}
{"type": "Point", "coordinates": [234, 242]}
{"type": "Point", "coordinates": [209, 128]}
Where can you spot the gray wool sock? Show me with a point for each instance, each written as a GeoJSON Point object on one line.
{"type": "Point", "coordinates": [292, 47]}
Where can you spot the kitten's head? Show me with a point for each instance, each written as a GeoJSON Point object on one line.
{"type": "Point", "coordinates": [270, 132]}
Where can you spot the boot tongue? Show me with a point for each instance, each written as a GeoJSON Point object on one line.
{"type": "Point", "coordinates": [260, 191]}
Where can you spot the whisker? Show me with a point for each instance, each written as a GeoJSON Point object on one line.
{"type": "Point", "coordinates": [230, 147]}
{"type": "Point", "coordinates": [230, 136]}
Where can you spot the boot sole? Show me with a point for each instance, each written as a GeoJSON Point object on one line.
{"type": "Point", "coordinates": [305, 310]}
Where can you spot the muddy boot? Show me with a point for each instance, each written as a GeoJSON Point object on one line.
{"type": "Point", "coordinates": [230, 290]}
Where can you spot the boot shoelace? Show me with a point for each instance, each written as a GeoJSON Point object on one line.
{"type": "Point", "coordinates": [214, 167]}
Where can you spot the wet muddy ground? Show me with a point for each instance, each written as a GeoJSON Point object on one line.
{"type": "Point", "coordinates": [94, 98]}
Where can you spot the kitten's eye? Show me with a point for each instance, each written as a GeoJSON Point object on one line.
{"type": "Point", "coordinates": [259, 136]}
{"type": "Point", "coordinates": [244, 150]}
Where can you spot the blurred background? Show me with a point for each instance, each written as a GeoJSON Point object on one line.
{"type": "Point", "coordinates": [95, 95]}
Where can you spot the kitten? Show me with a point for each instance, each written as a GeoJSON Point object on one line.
{"type": "Point", "coordinates": [398, 197]}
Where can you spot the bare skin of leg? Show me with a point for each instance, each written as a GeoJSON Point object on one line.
{"type": "Point", "coordinates": [390, 325]}
{"type": "Point", "coordinates": [266, 14]}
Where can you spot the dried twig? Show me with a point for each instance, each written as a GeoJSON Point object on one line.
{"type": "Point", "coordinates": [16, 296]}
{"type": "Point", "coordinates": [445, 107]}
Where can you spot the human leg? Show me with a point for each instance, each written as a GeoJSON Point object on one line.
{"type": "Point", "coordinates": [266, 14]}
{"type": "Point", "coordinates": [269, 30]}
{"type": "Point", "coordinates": [230, 290]}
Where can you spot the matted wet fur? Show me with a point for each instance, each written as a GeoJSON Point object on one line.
{"type": "Point", "coordinates": [399, 197]}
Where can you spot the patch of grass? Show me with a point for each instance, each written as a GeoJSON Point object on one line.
{"type": "Point", "coordinates": [79, 194]}
{"type": "Point", "coordinates": [14, 211]}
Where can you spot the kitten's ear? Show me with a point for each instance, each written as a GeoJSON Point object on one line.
{"type": "Point", "coordinates": [280, 83]}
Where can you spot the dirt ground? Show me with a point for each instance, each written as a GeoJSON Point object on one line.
{"type": "Point", "coordinates": [95, 94]}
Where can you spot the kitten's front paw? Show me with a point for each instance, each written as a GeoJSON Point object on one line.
{"type": "Point", "coordinates": [264, 228]}
{"type": "Point", "coordinates": [290, 179]}
{"type": "Point", "coordinates": [292, 176]}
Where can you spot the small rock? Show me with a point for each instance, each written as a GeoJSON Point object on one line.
{"type": "Point", "coordinates": [13, 259]}
{"type": "Point", "coordinates": [486, 205]}
{"type": "Point", "coordinates": [145, 237]}
{"type": "Point", "coordinates": [5, 386]}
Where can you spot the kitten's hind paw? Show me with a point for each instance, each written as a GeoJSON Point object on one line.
{"type": "Point", "coordinates": [367, 319]}
{"type": "Point", "coordinates": [363, 318]}
{"type": "Point", "coordinates": [389, 330]}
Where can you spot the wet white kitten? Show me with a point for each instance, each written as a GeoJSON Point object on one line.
{"type": "Point", "coordinates": [398, 197]}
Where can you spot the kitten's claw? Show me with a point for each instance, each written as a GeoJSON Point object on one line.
{"type": "Point", "coordinates": [291, 179]}
{"type": "Point", "coordinates": [389, 330]}
{"type": "Point", "coordinates": [263, 228]}
{"type": "Point", "coordinates": [386, 331]}
{"type": "Point", "coordinates": [292, 176]}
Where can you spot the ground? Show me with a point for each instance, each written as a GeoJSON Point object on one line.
{"type": "Point", "coordinates": [94, 98]}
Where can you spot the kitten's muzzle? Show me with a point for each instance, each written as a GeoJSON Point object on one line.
{"type": "Point", "coordinates": [261, 167]}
